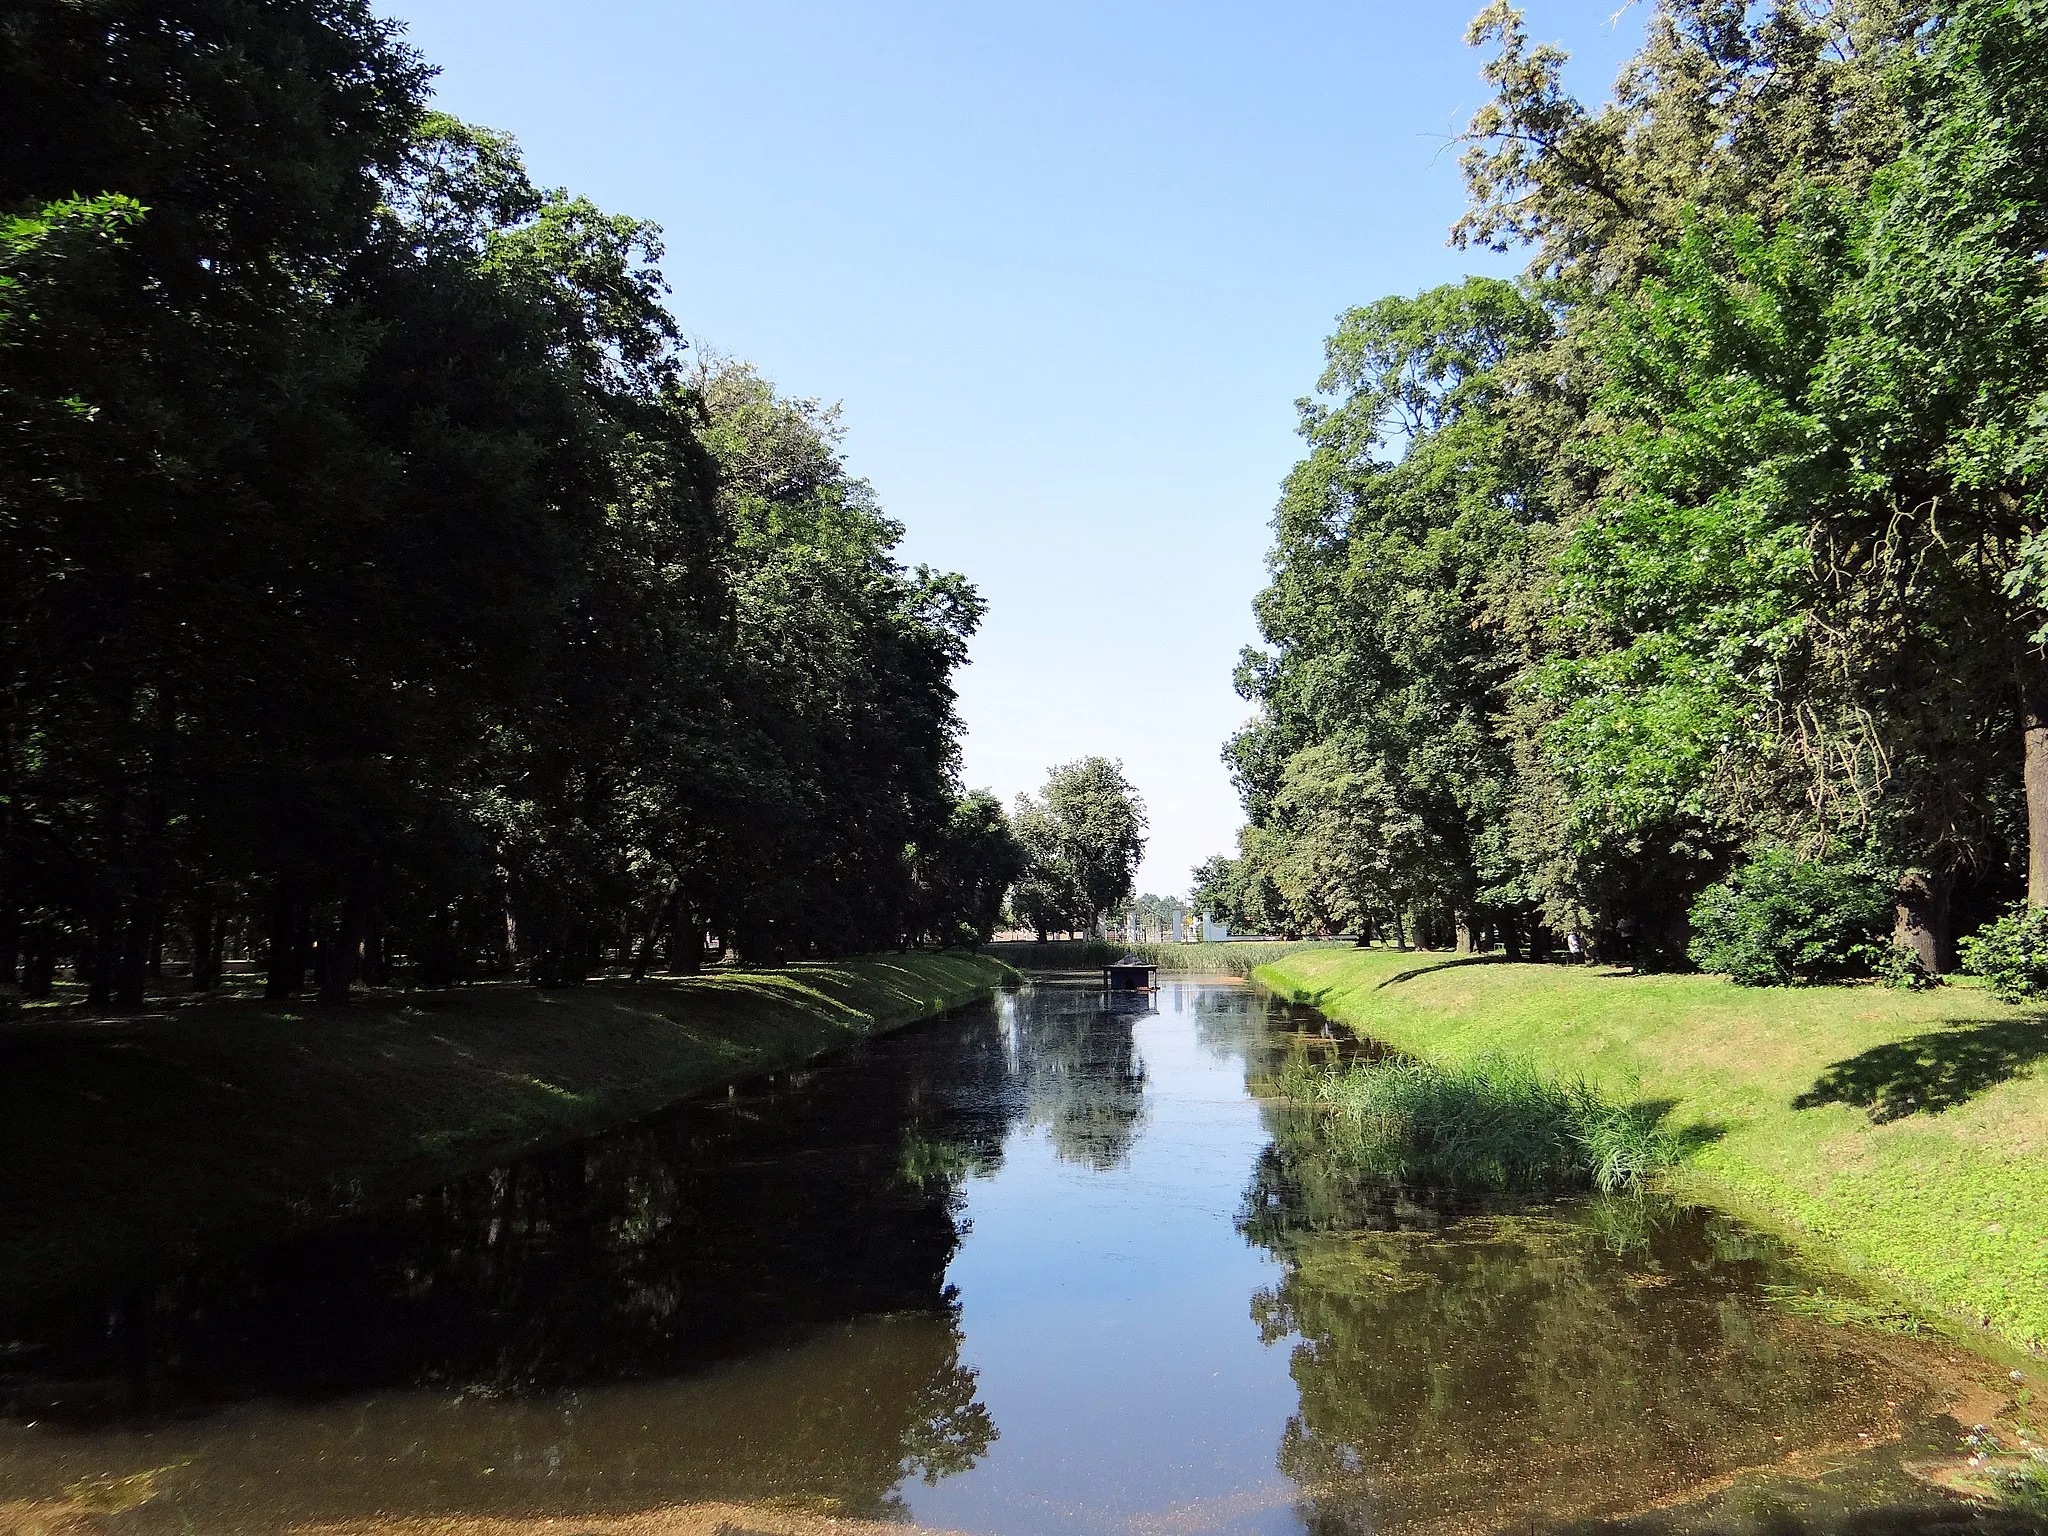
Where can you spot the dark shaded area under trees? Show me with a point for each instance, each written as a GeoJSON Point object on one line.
{"type": "Point", "coordinates": [380, 593]}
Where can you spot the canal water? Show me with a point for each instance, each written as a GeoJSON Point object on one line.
{"type": "Point", "coordinates": [1049, 1265]}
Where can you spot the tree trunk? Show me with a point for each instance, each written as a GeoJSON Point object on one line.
{"type": "Point", "coordinates": [1400, 931]}
{"type": "Point", "coordinates": [338, 951]}
{"type": "Point", "coordinates": [664, 920]}
{"type": "Point", "coordinates": [10, 943]}
{"type": "Point", "coordinates": [435, 955]}
{"type": "Point", "coordinates": [515, 944]}
{"type": "Point", "coordinates": [1511, 935]}
{"type": "Point", "coordinates": [1462, 921]}
{"type": "Point", "coordinates": [38, 961]}
{"type": "Point", "coordinates": [687, 936]}
{"type": "Point", "coordinates": [99, 961]}
{"type": "Point", "coordinates": [205, 974]}
{"type": "Point", "coordinates": [1921, 927]}
{"type": "Point", "coordinates": [284, 955]}
{"type": "Point", "coordinates": [133, 976]}
{"type": "Point", "coordinates": [2035, 723]}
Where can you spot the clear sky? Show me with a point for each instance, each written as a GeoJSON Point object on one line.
{"type": "Point", "coordinates": [1068, 266]}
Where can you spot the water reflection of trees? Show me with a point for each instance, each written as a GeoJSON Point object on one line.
{"type": "Point", "coordinates": [805, 1226]}
{"type": "Point", "coordinates": [1460, 1367]}
{"type": "Point", "coordinates": [1078, 1071]}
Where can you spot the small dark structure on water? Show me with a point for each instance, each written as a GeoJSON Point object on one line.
{"type": "Point", "coordinates": [1129, 974]}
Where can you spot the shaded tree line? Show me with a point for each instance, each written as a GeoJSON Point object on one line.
{"type": "Point", "coordinates": [1718, 534]}
{"type": "Point", "coordinates": [383, 588]}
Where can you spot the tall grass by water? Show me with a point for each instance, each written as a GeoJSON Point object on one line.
{"type": "Point", "coordinates": [1493, 1124]}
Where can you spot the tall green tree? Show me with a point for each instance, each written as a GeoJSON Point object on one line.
{"type": "Point", "coordinates": [381, 587]}
{"type": "Point", "coordinates": [1082, 837]}
{"type": "Point", "coordinates": [1405, 539]}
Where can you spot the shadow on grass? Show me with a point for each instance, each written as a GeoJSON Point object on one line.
{"type": "Point", "coordinates": [1442, 965]}
{"type": "Point", "coordinates": [1929, 1073]}
{"type": "Point", "coordinates": [1681, 1140]}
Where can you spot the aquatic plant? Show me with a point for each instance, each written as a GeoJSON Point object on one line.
{"type": "Point", "coordinates": [1492, 1124]}
{"type": "Point", "coordinates": [1845, 1311]}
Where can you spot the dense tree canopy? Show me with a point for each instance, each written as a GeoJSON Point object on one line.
{"type": "Point", "coordinates": [1719, 532]}
{"type": "Point", "coordinates": [1081, 837]}
{"type": "Point", "coordinates": [382, 591]}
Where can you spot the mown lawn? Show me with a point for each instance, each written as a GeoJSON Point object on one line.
{"type": "Point", "coordinates": [128, 1146]}
{"type": "Point", "coordinates": [1906, 1132]}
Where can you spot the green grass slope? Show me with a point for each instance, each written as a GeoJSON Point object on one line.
{"type": "Point", "coordinates": [1906, 1132]}
{"type": "Point", "coordinates": [127, 1146]}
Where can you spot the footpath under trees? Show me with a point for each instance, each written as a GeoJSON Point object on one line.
{"type": "Point", "coordinates": [1718, 536]}
{"type": "Point", "coordinates": [384, 593]}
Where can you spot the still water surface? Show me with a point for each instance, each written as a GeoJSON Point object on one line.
{"type": "Point", "coordinates": [1049, 1265]}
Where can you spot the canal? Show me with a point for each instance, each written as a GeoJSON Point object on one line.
{"type": "Point", "coordinates": [1049, 1265]}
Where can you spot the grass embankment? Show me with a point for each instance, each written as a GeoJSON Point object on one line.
{"type": "Point", "coordinates": [127, 1146]}
{"type": "Point", "coordinates": [1235, 957]}
{"type": "Point", "coordinates": [1906, 1133]}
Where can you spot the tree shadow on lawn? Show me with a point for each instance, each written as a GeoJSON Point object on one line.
{"type": "Point", "coordinates": [1442, 965]}
{"type": "Point", "coordinates": [1680, 1141]}
{"type": "Point", "coordinates": [1926, 1074]}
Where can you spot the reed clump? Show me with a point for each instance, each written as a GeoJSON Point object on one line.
{"type": "Point", "coordinates": [1493, 1124]}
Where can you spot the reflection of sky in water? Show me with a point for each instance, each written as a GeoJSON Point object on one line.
{"type": "Point", "coordinates": [1106, 1311]}
{"type": "Point", "coordinates": [1029, 1252]}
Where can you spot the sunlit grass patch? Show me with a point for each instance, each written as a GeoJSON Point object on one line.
{"type": "Point", "coordinates": [1491, 1124]}
{"type": "Point", "coordinates": [1942, 1194]}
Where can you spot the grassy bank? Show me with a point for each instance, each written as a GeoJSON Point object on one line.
{"type": "Point", "coordinates": [1906, 1133]}
{"type": "Point", "coordinates": [128, 1145]}
{"type": "Point", "coordinates": [1237, 957]}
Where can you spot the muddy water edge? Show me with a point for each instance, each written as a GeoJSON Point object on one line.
{"type": "Point", "coordinates": [1050, 1264]}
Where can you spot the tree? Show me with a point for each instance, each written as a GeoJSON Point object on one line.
{"type": "Point", "coordinates": [966, 871]}
{"type": "Point", "coordinates": [1394, 616]}
{"type": "Point", "coordinates": [1082, 838]}
{"type": "Point", "coordinates": [382, 588]}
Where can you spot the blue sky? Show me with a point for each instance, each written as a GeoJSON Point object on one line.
{"type": "Point", "coordinates": [1067, 265]}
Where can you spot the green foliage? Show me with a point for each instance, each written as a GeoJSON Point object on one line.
{"type": "Point", "coordinates": [1718, 530]}
{"type": "Point", "coordinates": [1783, 920]}
{"type": "Point", "coordinates": [2024, 1487]}
{"type": "Point", "coordinates": [1376, 774]}
{"type": "Point", "coordinates": [1489, 1124]}
{"type": "Point", "coordinates": [1846, 1311]}
{"type": "Point", "coordinates": [1229, 958]}
{"type": "Point", "coordinates": [379, 588]}
{"type": "Point", "coordinates": [1082, 838]}
{"type": "Point", "coordinates": [2011, 954]}
{"type": "Point", "coordinates": [965, 871]}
